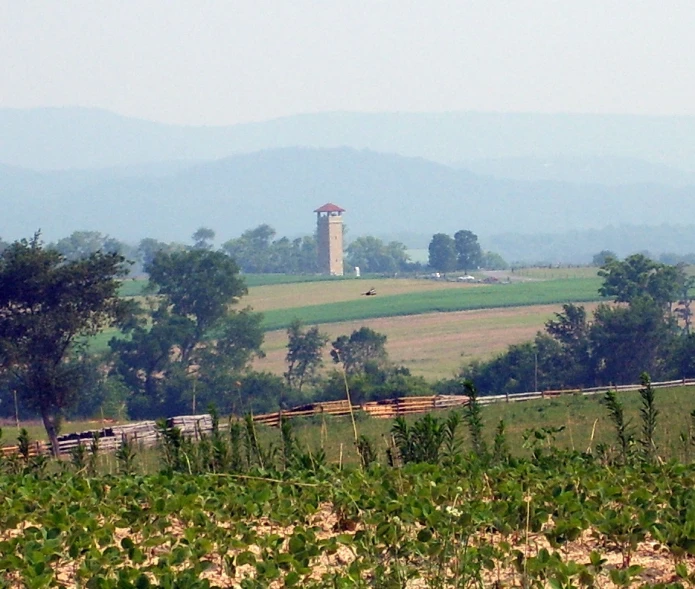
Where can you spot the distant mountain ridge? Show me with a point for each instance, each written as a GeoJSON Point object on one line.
{"type": "Point", "coordinates": [384, 194]}
{"type": "Point", "coordinates": [69, 138]}
{"type": "Point", "coordinates": [608, 170]}
{"type": "Point", "coordinates": [515, 179]}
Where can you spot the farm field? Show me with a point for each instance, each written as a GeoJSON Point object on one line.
{"type": "Point", "coordinates": [272, 297]}
{"type": "Point", "coordinates": [282, 304]}
{"type": "Point", "coordinates": [560, 273]}
{"type": "Point", "coordinates": [433, 345]}
{"type": "Point", "coordinates": [131, 287]}
{"type": "Point", "coordinates": [433, 326]}
{"type": "Point", "coordinates": [566, 515]}
{"type": "Point", "coordinates": [529, 524]}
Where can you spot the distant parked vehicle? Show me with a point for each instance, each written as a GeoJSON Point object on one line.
{"type": "Point", "coordinates": [466, 278]}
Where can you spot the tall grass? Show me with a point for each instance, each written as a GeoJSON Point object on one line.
{"type": "Point", "coordinates": [587, 421]}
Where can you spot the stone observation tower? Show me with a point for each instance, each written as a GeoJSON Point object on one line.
{"type": "Point", "coordinates": [329, 227]}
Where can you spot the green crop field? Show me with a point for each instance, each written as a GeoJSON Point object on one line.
{"type": "Point", "coordinates": [133, 287]}
{"type": "Point", "coordinates": [531, 509]}
{"type": "Point", "coordinates": [557, 521]}
{"type": "Point", "coordinates": [444, 300]}
{"type": "Point", "coordinates": [432, 325]}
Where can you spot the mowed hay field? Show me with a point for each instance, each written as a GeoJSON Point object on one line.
{"type": "Point", "coordinates": [302, 294]}
{"type": "Point", "coordinates": [431, 344]}
{"type": "Point", "coordinates": [343, 301]}
{"type": "Point", "coordinates": [433, 326]}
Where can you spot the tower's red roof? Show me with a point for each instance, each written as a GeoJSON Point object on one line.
{"type": "Point", "coordinates": [329, 207]}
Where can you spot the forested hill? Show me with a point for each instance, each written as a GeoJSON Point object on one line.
{"type": "Point", "coordinates": [62, 138]}
{"type": "Point", "coordinates": [383, 194]}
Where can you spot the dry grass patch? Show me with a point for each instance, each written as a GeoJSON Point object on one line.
{"type": "Point", "coordinates": [290, 296]}
{"type": "Point", "coordinates": [433, 345]}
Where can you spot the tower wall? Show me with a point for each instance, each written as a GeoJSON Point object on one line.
{"type": "Point", "coordinates": [330, 244]}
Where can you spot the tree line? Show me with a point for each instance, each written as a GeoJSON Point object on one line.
{"type": "Point", "coordinates": [190, 343]}
{"type": "Point", "coordinates": [461, 252]}
{"type": "Point", "coordinates": [261, 251]}
{"type": "Point", "coordinates": [647, 327]}
{"type": "Point", "coordinates": [186, 346]}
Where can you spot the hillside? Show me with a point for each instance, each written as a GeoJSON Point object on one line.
{"type": "Point", "coordinates": [61, 138]}
{"type": "Point", "coordinates": [383, 194]}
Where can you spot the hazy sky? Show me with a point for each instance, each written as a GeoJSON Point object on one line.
{"type": "Point", "coordinates": [224, 62]}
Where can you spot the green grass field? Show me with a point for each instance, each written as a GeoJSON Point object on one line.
{"type": "Point", "coordinates": [132, 287]}
{"type": "Point", "coordinates": [459, 298]}
{"type": "Point", "coordinates": [584, 418]}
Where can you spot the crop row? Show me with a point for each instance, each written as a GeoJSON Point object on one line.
{"type": "Point", "coordinates": [558, 520]}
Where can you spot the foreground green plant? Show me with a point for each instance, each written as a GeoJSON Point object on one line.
{"type": "Point", "coordinates": [623, 431]}
{"type": "Point", "coordinates": [649, 413]}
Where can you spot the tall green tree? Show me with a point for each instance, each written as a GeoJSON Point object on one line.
{"type": "Point", "coordinates": [197, 343]}
{"type": "Point", "coordinates": [371, 254]}
{"type": "Point", "coordinates": [603, 257]}
{"type": "Point", "coordinates": [47, 306]}
{"type": "Point", "coordinates": [442, 253]}
{"type": "Point", "coordinates": [639, 276]}
{"type": "Point", "coordinates": [145, 360]}
{"type": "Point", "coordinates": [572, 330]}
{"type": "Point", "coordinates": [202, 238]}
{"type": "Point", "coordinates": [149, 247]}
{"type": "Point", "coordinates": [304, 354]}
{"type": "Point", "coordinates": [469, 255]}
{"type": "Point", "coordinates": [629, 340]}
{"type": "Point", "coordinates": [81, 244]}
{"type": "Point", "coordinates": [201, 285]}
{"type": "Point", "coordinates": [256, 251]}
{"type": "Point", "coordinates": [493, 261]}
{"type": "Point", "coordinates": [252, 250]}
{"type": "Point", "coordinates": [363, 347]}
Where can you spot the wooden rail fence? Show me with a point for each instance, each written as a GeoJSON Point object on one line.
{"type": "Point", "coordinates": [145, 434]}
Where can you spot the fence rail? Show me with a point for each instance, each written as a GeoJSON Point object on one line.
{"type": "Point", "coordinates": [146, 435]}
{"type": "Point", "coordinates": [143, 434]}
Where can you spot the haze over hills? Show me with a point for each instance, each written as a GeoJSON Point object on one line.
{"type": "Point", "coordinates": [64, 138]}
{"type": "Point", "coordinates": [384, 194]}
{"type": "Point", "coordinates": [534, 187]}
{"type": "Point", "coordinates": [590, 169]}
